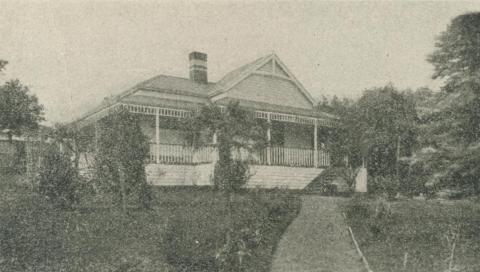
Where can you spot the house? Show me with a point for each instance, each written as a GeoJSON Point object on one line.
{"type": "Point", "coordinates": [294, 157]}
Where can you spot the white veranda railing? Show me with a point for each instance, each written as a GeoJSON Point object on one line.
{"type": "Point", "coordinates": [180, 154]}
{"type": "Point", "coordinates": [286, 156]}
{"type": "Point", "coordinates": [276, 155]}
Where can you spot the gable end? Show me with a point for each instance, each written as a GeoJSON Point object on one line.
{"type": "Point", "coordinates": [270, 67]}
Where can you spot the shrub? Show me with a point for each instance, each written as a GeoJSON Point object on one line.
{"type": "Point", "coordinates": [202, 239]}
{"type": "Point", "coordinates": [238, 249]}
{"type": "Point", "coordinates": [372, 218]}
{"type": "Point", "coordinates": [232, 174]}
{"type": "Point", "coordinates": [387, 185]}
{"type": "Point", "coordinates": [356, 207]}
{"type": "Point", "coordinates": [190, 243]}
{"type": "Point", "coordinates": [57, 179]}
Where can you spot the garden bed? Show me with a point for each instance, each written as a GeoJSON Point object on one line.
{"type": "Point", "coordinates": [184, 230]}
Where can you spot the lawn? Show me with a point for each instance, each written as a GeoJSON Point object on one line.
{"type": "Point", "coordinates": [423, 231]}
{"type": "Point", "coordinates": [183, 232]}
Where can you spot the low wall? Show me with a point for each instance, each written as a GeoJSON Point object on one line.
{"type": "Point", "coordinates": [202, 175]}
{"type": "Point", "coordinates": [180, 175]}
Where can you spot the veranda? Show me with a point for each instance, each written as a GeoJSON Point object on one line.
{"type": "Point", "coordinates": [293, 140]}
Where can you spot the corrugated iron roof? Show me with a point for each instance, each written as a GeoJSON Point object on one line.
{"type": "Point", "coordinates": [176, 84]}
{"type": "Point", "coordinates": [275, 108]}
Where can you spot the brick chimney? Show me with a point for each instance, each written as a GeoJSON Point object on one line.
{"type": "Point", "coordinates": [198, 67]}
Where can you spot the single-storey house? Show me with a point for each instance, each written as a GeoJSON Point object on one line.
{"type": "Point", "coordinates": [294, 157]}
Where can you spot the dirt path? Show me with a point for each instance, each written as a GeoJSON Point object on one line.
{"type": "Point", "coordinates": [317, 240]}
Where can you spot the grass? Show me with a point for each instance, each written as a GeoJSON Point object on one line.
{"type": "Point", "coordinates": [425, 230]}
{"type": "Point", "coordinates": [184, 225]}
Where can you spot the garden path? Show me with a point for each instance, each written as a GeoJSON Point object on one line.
{"type": "Point", "coordinates": [317, 240]}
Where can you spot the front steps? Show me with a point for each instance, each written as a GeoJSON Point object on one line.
{"type": "Point", "coordinates": [331, 181]}
{"type": "Point", "coordinates": [282, 177]}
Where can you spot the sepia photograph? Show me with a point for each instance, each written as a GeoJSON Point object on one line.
{"type": "Point", "coordinates": [239, 136]}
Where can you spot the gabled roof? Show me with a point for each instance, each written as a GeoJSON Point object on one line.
{"type": "Point", "coordinates": [236, 76]}
{"type": "Point", "coordinates": [211, 90]}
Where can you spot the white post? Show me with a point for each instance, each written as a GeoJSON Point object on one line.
{"type": "Point", "coordinates": [214, 150]}
{"type": "Point", "coordinates": [157, 136]}
{"type": "Point", "coordinates": [214, 138]}
{"type": "Point", "coordinates": [315, 145]}
{"type": "Point", "coordinates": [269, 139]}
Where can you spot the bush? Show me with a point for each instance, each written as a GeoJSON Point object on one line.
{"type": "Point", "coordinates": [57, 179]}
{"type": "Point", "coordinates": [230, 175]}
{"type": "Point", "coordinates": [387, 185]}
{"type": "Point", "coordinates": [190, 242]}
{"type": "Point", "coordinates": [356, 207]}
{"type": "Point", "coordinates": [371, 218]}
{"type": "Point", "coordinates": [202, 239]}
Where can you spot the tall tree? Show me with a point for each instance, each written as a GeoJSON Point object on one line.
{"type": "Point", "coordinates": [120, 159]}
{"type": "Point", "coordinates": [456, 60]}
{"type": "Point", "coordinates": [384, 121]}
{"type": "Point", "coordinates": [235, 129]}
{"type": "Point", "coordinates": [457, 54]}
{"type": "Point", "coordinates": [20, 110]}
{"type": "Point", "coordinates": [339, 140]}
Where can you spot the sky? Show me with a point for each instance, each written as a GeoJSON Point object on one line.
{"type": "Point", "coordinates": [72, 54]}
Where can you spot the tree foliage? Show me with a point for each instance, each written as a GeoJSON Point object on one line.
{"type": "Point", "coordinates": [74, 140]}
{"type": "Point", "coordinates": [236, 129]}
{"type": "Point", "coordinates": [120, 160]}
{"type": "Point", "coordinates": [373, 128]}
{"type": "Point", "coordinates": [386, 119]}
{"type": "Point", "coordinates": [57, 177]}
{"type": "Point", "coordinates": [457, 54]}
{"type": "Point", "coordinates": [338, 140]}
{"type": "Point", "coordinates": [454, 130]}
{"type": "Point", "coordinates": [20, 110]}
